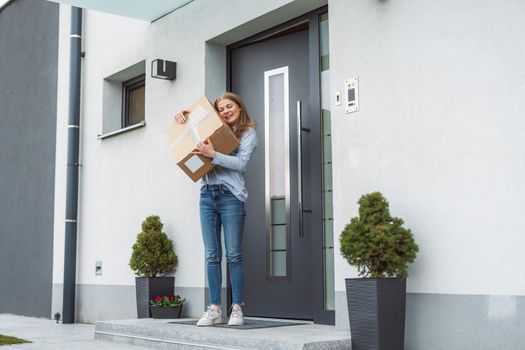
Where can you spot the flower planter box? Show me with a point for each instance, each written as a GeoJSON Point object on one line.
{"type": "Point", "coordinates": [149, 287]}
{"type": "Point", "coordinates": [165, 312]}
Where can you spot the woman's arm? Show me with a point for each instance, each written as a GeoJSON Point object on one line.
{"type": "Point", "coordinates": [239, 161]}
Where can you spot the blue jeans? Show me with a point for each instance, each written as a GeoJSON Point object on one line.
{"type": "Point", "coordinates": [219, 207]}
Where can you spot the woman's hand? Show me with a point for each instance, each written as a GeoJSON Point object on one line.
{"type": "Point", "coordinates": [182, 116]}
{"type": "Point", "coordinates": [205, 148]}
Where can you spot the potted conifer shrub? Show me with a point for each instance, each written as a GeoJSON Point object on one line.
{"type": "Point", "coordinates": [152, 257]}
{"type": "Point", "coordinates": [381, 249]}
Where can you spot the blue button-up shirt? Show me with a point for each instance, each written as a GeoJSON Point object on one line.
{"type": "Point", "coordinates": [229, 169]}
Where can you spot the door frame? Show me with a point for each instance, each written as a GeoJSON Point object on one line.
{"type": "Point", "coordinates": [320, 314]}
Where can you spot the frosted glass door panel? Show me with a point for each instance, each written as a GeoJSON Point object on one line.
{"type": "Point", "coordinates": [277, 151]}
{"type": "Point", "coordinates": [276, 97]}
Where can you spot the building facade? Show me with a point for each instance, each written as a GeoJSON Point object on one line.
{"type": "Point", "coordinates": [438, 131]}
{"type": "Point", "coordinates": [28, 100]}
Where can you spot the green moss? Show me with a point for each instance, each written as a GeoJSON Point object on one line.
{"type": "Point", "coordinates": [6, 340]}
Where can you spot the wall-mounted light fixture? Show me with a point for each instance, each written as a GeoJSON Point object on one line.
{"type": "Point", "coordinates": [163, 69]}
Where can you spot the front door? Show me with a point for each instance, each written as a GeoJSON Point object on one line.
{"type": "Point", "coordinates": [272, 75]}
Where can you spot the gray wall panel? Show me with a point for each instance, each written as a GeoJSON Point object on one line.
{"type": "Point", "coordinates": [28, 91]}
{"type": "Point", "coordinates": [457, 322]}
{"type": "Point", "coordinates": [97, 302]}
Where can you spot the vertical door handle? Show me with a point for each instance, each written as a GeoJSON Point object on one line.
{"type": "Point", "coordinates": [299, 170]}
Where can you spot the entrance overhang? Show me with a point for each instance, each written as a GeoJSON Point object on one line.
{"type": "Point", "coordinates": [149, 11]}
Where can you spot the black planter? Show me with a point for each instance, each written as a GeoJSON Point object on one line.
{"type": "Point", "coordinates": [165, 312]}
{"type": "Point", "coordinates": [376, 309]}
{"type": "Point", "coordinates": [148, 288]}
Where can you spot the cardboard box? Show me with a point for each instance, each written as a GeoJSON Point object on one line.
{"type": "Point", "coordinates": [203, 122]}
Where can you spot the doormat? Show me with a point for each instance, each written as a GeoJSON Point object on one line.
{"type": "Point", "coordinates": [248, 324]}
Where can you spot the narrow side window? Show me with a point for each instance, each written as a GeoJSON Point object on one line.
{"type": "Point", "coordinates": [133, 100]}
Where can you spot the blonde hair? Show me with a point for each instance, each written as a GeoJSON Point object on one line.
{"type": "Point", "coordinates": [244, 122]}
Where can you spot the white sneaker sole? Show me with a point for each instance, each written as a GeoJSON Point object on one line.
{"type": "Point", "coordinates": [207, 323]}
{"type": "Point", "coordinates": [235, 322]}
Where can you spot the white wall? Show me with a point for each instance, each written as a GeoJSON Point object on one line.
{"type": "Point", "coordinates": [440, 133]}
{"type": "Point", "coordinates": [61, 146]}
{"type": "Point", "coordinates": [130, 176]}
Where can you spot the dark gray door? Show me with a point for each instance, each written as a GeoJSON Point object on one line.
{"type": "Point", "coordinates": [272, 77]}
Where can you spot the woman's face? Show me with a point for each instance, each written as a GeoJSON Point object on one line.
{"type": "Point", "coordinates": [229, 111]}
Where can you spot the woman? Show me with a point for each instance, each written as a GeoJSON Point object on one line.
{"type": "Point", "coordinates": [222, 198]}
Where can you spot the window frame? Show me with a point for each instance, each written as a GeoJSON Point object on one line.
{"type": "Point", "coordinates": [128, 87]}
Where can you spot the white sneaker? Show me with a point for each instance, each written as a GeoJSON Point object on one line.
{"type": "Point", "coordinates": [210, 317]}
{"type": "Point", "coordinates": [236, 317]}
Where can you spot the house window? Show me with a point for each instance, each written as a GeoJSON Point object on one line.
{"type": "Point", "coordinates": [133, 100]}
{"type": "Point", "coordinates": [123, 107]}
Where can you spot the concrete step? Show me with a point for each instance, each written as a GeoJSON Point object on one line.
{"type": "Point", "coordinates": [157, 333]}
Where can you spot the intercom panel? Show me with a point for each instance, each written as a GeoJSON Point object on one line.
{"type": "Point", "coordinates": [351, 95]}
